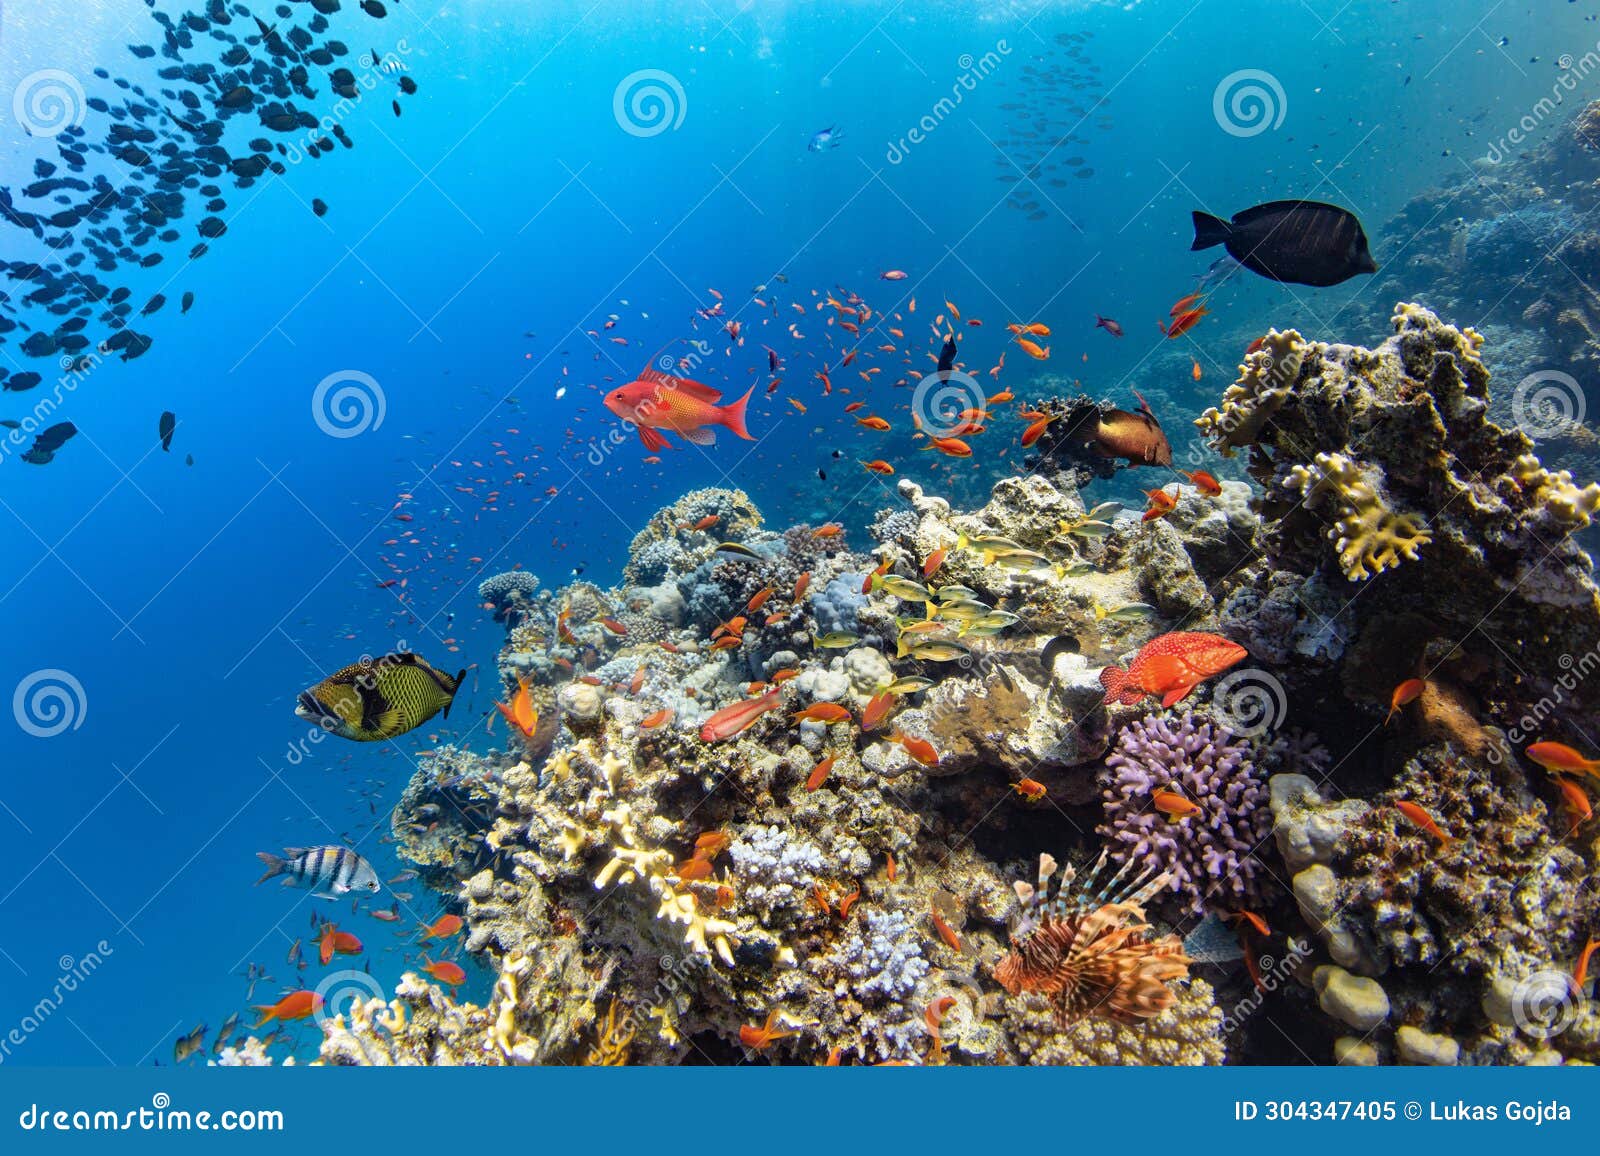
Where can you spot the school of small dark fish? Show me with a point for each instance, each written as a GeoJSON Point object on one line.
{"type": "Point", "coordinates": [1058, 100]}
{"type": "Point", "coordinates": [242, 94]}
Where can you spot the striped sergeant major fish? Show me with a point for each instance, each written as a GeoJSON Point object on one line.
{"type": "Point", "coordinates": [330, 872]}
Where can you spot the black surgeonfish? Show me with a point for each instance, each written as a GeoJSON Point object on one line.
{"type": "Point", "coordinates": [380, 698]}
{"type": "Point", "coordinates": [1301, 242]}
{"type": "Point", "coordinates": [47, 443]}
{"type": "Point", "coordinates": [168, 425]}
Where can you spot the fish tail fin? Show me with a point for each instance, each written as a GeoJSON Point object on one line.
{"type": "Point", "coordinates": [1209, 231]}
{"type": "Point", "coordinates": [275, 865]}
{"type": "Point", "coordinates": [267, 1013]}
{"type": "Point", "coordinates": [461, 676]}
{"type": "Point", "coordinates": [733, 416]}
{"type": "Point", "coordinates": [1113, 678]}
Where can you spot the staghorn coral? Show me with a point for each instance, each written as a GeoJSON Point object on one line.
{"type": "Point", "coordinates": [1211, 857]}
{"type": "Point", "coordinates": [1086, 951]}
{"type": "Point", "coordinates": [1368, 536]}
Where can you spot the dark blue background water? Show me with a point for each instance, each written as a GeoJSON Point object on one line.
{"type": "Point", "coordinates": [191, 604]}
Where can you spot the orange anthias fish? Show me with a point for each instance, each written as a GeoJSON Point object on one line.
{"type": "Point", "coordinates": [1033, 349]}
{"type": "Point", "coordinates": [731, 720]}
{"type": "Point", "coordinates": [819, 773]}
{"type": "Point", "coordinates": [880, 467]}
{"type": "Point", "coordinates": [759, 1038]}
{"type": "Point", "coordinates": [445, 972]}
{"type": "Point", "coordinates": [1204, 482]}
{"type": "Point", "coordinates": [931, 564]}
{"type": "Point", "coordinates": [1422, 819]}
{"type": "Point", "coordinates": [1161, 504]}
{"type": "Point", "coordinates": [952, 447]}
{"type": "Point", "coordinates": [1408, 691]}
{"type": "Point", "coordinates": [1580, 971]}
{"type": "Point", "coordinates": [334, 940]}
{"type": "Point", "coordinates": [443, 927]}
{"type": "Point", "coordinates": [1170, 666]}
{"type": "Point", "coordinates": [1576, 801]}
{"type": "Point", "coordinates": [656, 401]}
{"type": "Point", "coordinates": [1033, 330]}
{"type": "Point", "coordinates": [297, 1005]}
{"type": "Point", "coordinates": [1173, 805]}
{"type": "Point", "coordinates": [1030, 789]}
{"type": "Point", "coordinates": [1560, 757]}
{"type": "Point", "coordinates": [919, 749]}
{"type": "Point", "coordinates": [1036, 430]}
{"type": "Point", "coordinates": [519, 712]}
{"type": "Point", "coordinates": [824, 712]}
{"type": "Point", "coordinates": [876, 710]}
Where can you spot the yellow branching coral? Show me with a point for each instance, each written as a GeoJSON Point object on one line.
{"type": "Point", "coordinates": [1567, 504]}
{"type": "Point", "coordinates": [1368, 536]}
{"type": "Point", "coordinates": [630, 861]}
{"type": "Point", "coordinates": [1248, 404]}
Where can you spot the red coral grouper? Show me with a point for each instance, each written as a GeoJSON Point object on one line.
{"type": "Point", "coordinates": [1170, 665]}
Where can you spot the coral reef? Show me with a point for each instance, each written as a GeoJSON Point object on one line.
{"type": "Point", "coordinates": [782, 779]}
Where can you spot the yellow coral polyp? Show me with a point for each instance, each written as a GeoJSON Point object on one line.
{"type": "Point", "coordinates": [1368, 536]}
{"type": "Point", "coordinates": [1265, 378]}
{"type": "Point", "coordinates": [1571, 506]}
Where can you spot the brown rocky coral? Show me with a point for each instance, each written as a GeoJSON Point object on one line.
{"type": "Point", "coordinates": [1092, 958]}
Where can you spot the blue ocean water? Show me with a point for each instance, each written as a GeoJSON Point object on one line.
{"type": "Point", "coordinates": [473, 251]}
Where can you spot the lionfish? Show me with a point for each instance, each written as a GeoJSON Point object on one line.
{"type": "Point", "coordinates": [1088, 949]}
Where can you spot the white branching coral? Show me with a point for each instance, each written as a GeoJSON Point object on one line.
{"type": "Point", "coordinates": [1368, 536]}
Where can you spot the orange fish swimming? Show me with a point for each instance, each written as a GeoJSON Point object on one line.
{"type": "Point", "coordinates": [824, 712]}
{"type": "Point", "coordinates": [1408, 691]}
{"type": "Point", "coordinates": [1161, 504]}
{"type": "Point", "coordinates": [1036, 430]}
{"type": "Point", "coordinates": [952, 447]}
{"type": "Point", "coordinates": [1422, 819]}
{"type": "Point", "coordinates": [873, 421]}
{"type": "Point", "coordinates": [1033, 349]}
{"type": "Point", "coordinates": [1173, 805]}
{"type": "Point", "coordinates": [297, 1005]}
{"type": "Point", "coordinates": [519, 712]}
{"type": "Point", "coordinates": [445, 972]}
{"type": "Point", "coordinates": [443, 927]}
{"type": "Point", "coordinates": [1170, 666]}
{"type": "Point", "coordinates": [1204, 482]}
{"type": "Point", "coordinates": [758, 1039]}
{"type": "Point", "coordinates": [1576, 801]}
{"type": "Point", "coordinates": [655, 401]}
{"type": "Point", "coordinates": [876, 710]}
{"type": "Point", "coordinates": [731, 720]}
{"type": "Point", "coordinates": [879, 467]}
{"type": "Point", "coordinates": [1030, 789]}
{"type": "Point", "coordinates": [1560, 757]}
{"type": "Point", "coordinates": [919, 749]}
{"type": "Point", "coordinates": [819, 774]}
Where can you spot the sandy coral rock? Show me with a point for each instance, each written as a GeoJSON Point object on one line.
{"type": "Point", "coordinates": [1353, 1000]}
{"type": "Point", "coordinates": [868, 670]}
{"type": "Point", "coordinates": [1351, 1052]}
{"type": "Point", "coordinates": [1415, 1046]}
{"type": "Point", "coordinates": [1265, 380]}
{"type": "Point", "coordinates": [1187, 1034]}
{"type": "Point", "coordinates": [1166, 574]}
{"type": "Point", "coordinates": [1306, 826]}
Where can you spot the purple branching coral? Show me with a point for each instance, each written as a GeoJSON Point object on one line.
{"type": "Point", "coordinates": [1210, 853]}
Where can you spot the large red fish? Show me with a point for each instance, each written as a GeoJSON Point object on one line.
{"type": "Point", "coordinates": [1170, 666]}
{"type": "Point", "coordinates": [656, 401]}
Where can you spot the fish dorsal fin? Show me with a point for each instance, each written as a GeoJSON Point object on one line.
{"type": "Point", "coordinates": [683, 385]}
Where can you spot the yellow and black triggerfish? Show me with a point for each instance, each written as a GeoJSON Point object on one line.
{"type": "Point", "coordinates": [380, 698]}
